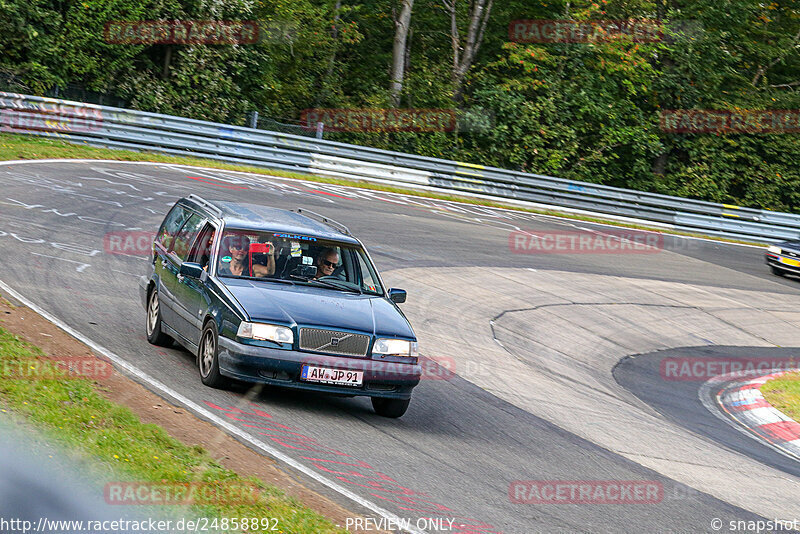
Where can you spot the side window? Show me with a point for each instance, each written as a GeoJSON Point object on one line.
{"type": "Point", "coordinates": [183, 240]}
{"type": "Point", "coordinates": [172, 223]}
{"type": "Point", "coordinates": [368, 282]}
{"type": "Point", "coordinates": [201, 250]}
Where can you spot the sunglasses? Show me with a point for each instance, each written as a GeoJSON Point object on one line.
{"type": "Point", "coordinates": [329, 263]}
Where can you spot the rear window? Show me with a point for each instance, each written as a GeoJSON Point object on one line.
{"type": "Point", "coordinates": [186, 236]}
{"type": "Point", "coordinates": [172, 223]}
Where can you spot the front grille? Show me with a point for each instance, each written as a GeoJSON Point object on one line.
{"type": "Point", "coordinates": [333, 342]}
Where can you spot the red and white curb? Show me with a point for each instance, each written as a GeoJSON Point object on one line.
{"type": "Point", "coordinates": [740, 403]}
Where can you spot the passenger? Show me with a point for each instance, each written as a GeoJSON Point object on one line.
{"type": "Point", "coordinates": [327, 261]}
{"type": "Point", "coordinates": [238, 264]}
{"type": "Point", "coordinates": [266, 249]}
{"type": "Point", "coordinates": [205, 251]}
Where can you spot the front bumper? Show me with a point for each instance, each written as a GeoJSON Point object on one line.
{"type": "Point", "coordinates": [280, 367]}
{"type": "Point", "coordinates": [774, 260]}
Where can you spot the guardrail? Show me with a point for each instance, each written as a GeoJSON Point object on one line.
{"type": "Point", "coordinates": [137, 130]}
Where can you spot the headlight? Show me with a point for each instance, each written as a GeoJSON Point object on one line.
{"type": "Point", "coordinates": [265, 332]}
{"type": "Point", "coordinates": [395, 347]}
{"type": "Point", "coordinates": [774, 249]}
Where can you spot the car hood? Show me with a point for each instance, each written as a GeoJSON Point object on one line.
{"type": "Point", "coordinates": [319, 307]}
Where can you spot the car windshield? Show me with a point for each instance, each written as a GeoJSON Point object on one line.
{"type": "Point", "coordinates": [281, 257]}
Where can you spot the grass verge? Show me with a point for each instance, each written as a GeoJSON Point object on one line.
{"type": "Point", "coordinates": [14, 147]}
{"type": "Point", "coordinates": [69, 410]}
{"type": "Point", "coordinates": [784, 394]}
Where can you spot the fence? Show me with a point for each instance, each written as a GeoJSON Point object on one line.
{"type": "Point", "coordinates": [137, 130]}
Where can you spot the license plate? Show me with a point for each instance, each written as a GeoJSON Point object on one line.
{"type": "Point", "coordinates": [325, 375]}
{"type": "Point", "coordinates": [787, 261]}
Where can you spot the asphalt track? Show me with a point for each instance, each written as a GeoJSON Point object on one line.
{"type": "Point", "coordinates": [461, 446]}
{"type": "Point", "coordinates": [680, 400]}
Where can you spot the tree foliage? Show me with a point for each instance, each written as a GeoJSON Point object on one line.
{"type": "Point", "coordinates": [586, 111]}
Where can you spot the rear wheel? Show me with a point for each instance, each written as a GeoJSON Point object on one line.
{"type": "Point", "coordinates": [390, 407]}
{"type": "Point", "coordinates": [776, 271]}
{"type": "Point", "coordinates": [207, 358]}
{"type": "Point", "coordinates": [153, 321]}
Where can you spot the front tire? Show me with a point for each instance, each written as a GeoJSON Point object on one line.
{"type": "Point", "coordinates": [208, 357]}
{"type": "Point", "coordinates": [153, 321]}
{"type": "Point", "coordinates": [390, 407]}
{"type": "Point", "coordinates": [776, 271]}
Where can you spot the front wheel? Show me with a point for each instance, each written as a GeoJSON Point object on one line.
{"type": "Point", "coordinates": [776, 271]}
{"type": "Point", "coordinates": [153, 323]}
{"type": "Point", "coordinates": [390, 407]}
{"type": "Point", "coordinates": [208, 358]}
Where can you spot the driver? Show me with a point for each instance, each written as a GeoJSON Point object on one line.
{"type": "Point", "coordinates": [327, 261]}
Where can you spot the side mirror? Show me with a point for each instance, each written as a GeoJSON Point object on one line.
{"type": "Point", "coordinates": [190, 269]}
{"type": "Point", "coordinates": [397, 295]}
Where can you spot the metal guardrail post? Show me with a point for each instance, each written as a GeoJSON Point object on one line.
{"type": "Point", "coordinates": [253, 119]}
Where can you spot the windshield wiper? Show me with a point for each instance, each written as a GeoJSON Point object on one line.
{"type": "Point", "coordinates": [281, 280]}
{"type": "Point", "coordinates": [329, 283]}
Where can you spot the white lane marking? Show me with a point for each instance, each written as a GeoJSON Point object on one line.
{"type": "Point", "coordinates": [206, 414]}
{"type": "Point", "coordinates": [173, 166]}
{"type": "Point", "coordinates": [80, 269]}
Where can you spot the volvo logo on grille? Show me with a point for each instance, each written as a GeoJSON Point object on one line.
{"type": "Point", "coordinates": [319, 340]}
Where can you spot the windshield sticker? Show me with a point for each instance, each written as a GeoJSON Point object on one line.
{"type": "Point", "coordinates": [308, 260]}
{"type": "Point", "coordinates": [226, 259]}
{"type": "Point", "coordinates": [296, 250]}
{"type": "Point", "coordinates": [295, 236]}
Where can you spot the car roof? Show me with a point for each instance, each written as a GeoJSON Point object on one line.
{"type": "Point", "coordinates": [247, 216]}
